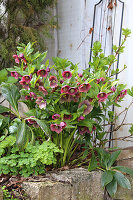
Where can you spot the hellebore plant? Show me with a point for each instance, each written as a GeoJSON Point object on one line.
{"type": "Point", "coordinates": [69, 107]}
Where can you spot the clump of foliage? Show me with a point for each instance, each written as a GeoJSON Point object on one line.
{"type": "Point", "coordinates": [30, 161]}
{"type": "Point", "coordinates": [21, 21]}
{"type": "Point", "coordinates": [112, 176]}
{"type": "Point", "coordinates": [66, 108]}
{"type": "Point", "coordinates": [7, 195]}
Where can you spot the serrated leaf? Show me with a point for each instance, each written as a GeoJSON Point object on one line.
{"type": "Point", "coordinates": [113, 157]}
{"type": "Point", "coordinates": [93, 163]}
{"type": "Point", "coordinates": [124, 169]}
{"type": "Point", "coordinates": [4, 109]}
{"type": "Point", "coordinates": [43, 125]}
{"type": "Point", "coordinates": [13, 128]}
{"type": "Point", "coordinates": [130, 92]}
{"type": "Point", "coordinates": [11, 94]}
{"type": "Point", "coordinates": [22, 136]}
{"type": "Point", "coordinates": [122, 180]}
{"type": "Point", "coordinates": [11, 80]}
{"type": "Point", "coordinates": [106, 178]}
{"type": "Point", "coordinates": [3, 75]}
{"type": "Point", "coordinates": [112, 187]}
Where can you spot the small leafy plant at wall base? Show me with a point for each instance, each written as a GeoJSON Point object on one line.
{"type": "Point", "coordinates": [7, 195]}
{"type": "Point", "coordinates": [112, 176]}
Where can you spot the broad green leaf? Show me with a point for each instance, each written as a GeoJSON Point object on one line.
{"type": "Point", "coordinates": [93, 163]}
{"type": "Point", "coordinates": [106, 178]}
{"type": "Point", "coordinates": [11, 94]}
{"type": "Point", "coordinates": [13, 128]}
{"type": "Point", "coordinates": [11, 80]}
{"type": "Point", "coordinates": [113, 157]}
{"type": "Point", "coordinates": [122, 180]}
{"type": "Point", "coordinates": [130, 92]}
{"type": "Point", "coordinates": [3, 75]}
{"type": "Point", "coordinates": [4, 109]}
{"type": "Point", "coordinates": [22, 136]}
{"type": "Point", "coordinates": [1, 120]}
{"type": "Point", "coordinates": [43, 125]}
{"type": "Point", "coordinates": [124, 169]}
{"type": "Point", "coordinates": [112, 187]}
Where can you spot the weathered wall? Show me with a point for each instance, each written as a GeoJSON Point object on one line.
{"type": "Point", "coordinates": [74, 184]}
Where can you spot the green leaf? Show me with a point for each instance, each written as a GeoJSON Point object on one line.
{"type": "Point", "coordinates": [122, 180]}
{"type": "Point", "coordinates": [4, 109]}
{"type": "Point", "coordinates": [112, 187]}
{"type": "Point", "coordinates": [22, 137]}
{"type": "Point", "coordinates": [106, 178]}
{"type": "Point", "coordinates": [93, 163]}
{"type": "Point", "coordinates": [13, 128]}
{"type": "Point", "coordinates": [43, 125]}
{"type": "Point", "coordinates": [3, 75]}
{"type": "Point", "coordinates": [124, 169]}
{"type": "Point", "coordinates": [11, 94]}
{"type": "Point", "coordinates": [11, 80]}
{"type": "Point", "coordinates": [1, 120]}
{"type": "Point", "coordinates": [113, 157]}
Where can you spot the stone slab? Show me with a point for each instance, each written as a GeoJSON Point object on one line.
{"type": "Point", "coordinates": [73, 184]}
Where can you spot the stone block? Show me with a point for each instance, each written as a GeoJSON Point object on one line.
{"type": "Point", "coordinates": [74, 184]}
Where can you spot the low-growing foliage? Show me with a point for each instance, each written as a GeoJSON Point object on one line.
{"type": "Point", "coordinates": [30, 161]}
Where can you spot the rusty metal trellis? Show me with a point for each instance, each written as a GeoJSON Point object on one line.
{"type": "Point", "coordinates": [107, 21]}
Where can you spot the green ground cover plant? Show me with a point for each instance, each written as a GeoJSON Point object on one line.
{"type": "Point", "coordinates": [66, 121]}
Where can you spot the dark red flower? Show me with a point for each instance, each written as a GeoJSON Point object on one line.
{"type": "Point", "coordinates": [94, 128]}
{"type": "Point", "coordinates": [121, 95]}
{"type": "Point", "coordinates": [56, 127]}
{"type": "Point", "coordinates": [55, 116]}
{"type": "Point", "coordinates": [41, 102]}
{"type": "Point", "coordinates": [53, 81]}
{"type": "Point", "coordinates": [31, 121]}
{"type": "Point", "coordinates": [65, 98]}
{"type": "Point", "coordinates": [16, 59]}
{"type": "Point", "coordinates": [67, 75]}
{"type": "Point", "coordinates": [84, 87]}
{"type": "Point", "coordinates": [65, 89]}
{"type": "Point", "coordinates": [21, 55]}
{"type": "Point", "coordinates": [42, 73]}
{"type": "Point", "coordinates": [47, 69]}
{"type": "Point", "coordinates": [113, 89]}
{"type": "Point", "coordinates": [24, 60]}
{"type": "Point", "coordinates": [88, 108]}
{"type": "Point", "coordinates": [67, 117]}
{"type": "Point", "coordinates": [27, 98]}
{"type": "Point", "coordinates": [25, 84]}
{"type": "Point", "coordinates": [15, 74]}
{"type": "Point", "coordinates": [76, 97]}
{"type": "Point", "coordinates": [80, 75]}
{"type": "Point", "coordinates": [27, 78]}
{"type": "Point", "coordinates": [33, 95]}
{"type": "Point", "coordinates": [102, 96]}
{"type": "Point", "coordinates": [38, 83]}
{"type": "Point", "coordinates": [81, 118]}
{"type": "Point", "coordinates": [61, 81]}
{"type": "Point", "coordinates": [72, 91]}
{"type": "Point", "coordinates": [43, 90]}
{"type": "Point", "coordinates": [82, 130]}
{"type": "Point", "coordinates": [100, 80]}
{"type": "Point", "coordinates": [63, 124]}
